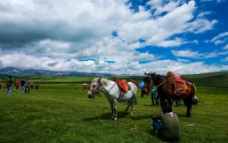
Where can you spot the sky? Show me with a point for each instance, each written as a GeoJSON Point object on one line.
{"type": "Point", "coordinates": [115, 36]}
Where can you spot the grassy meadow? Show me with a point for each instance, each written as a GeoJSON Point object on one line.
{"type": "Point", "coordinates": [58, 112]}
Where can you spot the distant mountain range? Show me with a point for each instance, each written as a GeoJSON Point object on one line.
{"type": "Point", "coordinates": [25, 72]}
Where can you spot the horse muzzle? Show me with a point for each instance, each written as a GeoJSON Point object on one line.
{"type": "Point", "coordinates": [90, 94]}
{"type": "Point", "coordinates": [145, 90]}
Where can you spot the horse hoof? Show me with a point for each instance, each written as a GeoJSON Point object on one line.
{"type": "Point", "coordinates": [131, 114]}
{"type": "Point", "coordinates": [115, 119]}
{"type": "Point", "coordinates": [188, 116]}
{"type": "Point", "coordinates": [112, 118]}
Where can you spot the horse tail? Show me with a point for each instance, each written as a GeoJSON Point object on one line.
{"type": "Point", "coordinates": [194, 93]}
{"type": "Point", "coordinates": [194, 89]}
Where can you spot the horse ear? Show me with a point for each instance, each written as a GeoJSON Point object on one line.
{"type": "Point", "coordinates": [99, 79]}
{"type": "Point", "coordinates": [145, 73]}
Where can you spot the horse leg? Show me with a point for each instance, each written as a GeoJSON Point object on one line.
{"type": "Point", "coordinates": [162, 98]}
{"type": "Point", "coordinates": [169, 100]}
{"type": "Point", "coordinates": [115, 109]}
{"type": "Point", "coordinates": [112, 109]}
{"type": "Point", "coordinates": [130, 103]}
{"type": "Point", "coordinates": [188, 103]}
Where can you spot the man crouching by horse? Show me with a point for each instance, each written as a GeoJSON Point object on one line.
{"type": "Point", "coordinates": [166, 124]}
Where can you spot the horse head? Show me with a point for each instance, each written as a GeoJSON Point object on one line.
{"type": "Point", "coordinates": [148, 82]}
{"type": "Point", "coordinates": [94, 87]}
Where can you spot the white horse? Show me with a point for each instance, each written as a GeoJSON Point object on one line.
{"type": "Point", "coordinates": [113, 93]}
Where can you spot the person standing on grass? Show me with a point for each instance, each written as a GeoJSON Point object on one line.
{"type": "Point", "coordinates": [27, 85]}
{"type": "Point", "coordinates": [16, 84]}
{"type": "Point", "coordinates": [37, 85]}
{"type": "Point", "coordinates": [154, 96]}
{"type": "Point", "coordinates": [9, 83]}
{"type": "Point", "coordinates": [22, 86]}
{"type": "Point", "coordinates": [31, 84]}
{"type": "Point", "coordinates": [166, 124]}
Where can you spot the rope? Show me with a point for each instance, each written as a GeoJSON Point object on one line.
{"type": "Point", "coordinates": [126, 127]}
{"type": "Point", "coordinates": [161, 83]}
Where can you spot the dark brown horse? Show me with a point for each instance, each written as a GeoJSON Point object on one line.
{"type": "Point", "coordinates": [171, 88]}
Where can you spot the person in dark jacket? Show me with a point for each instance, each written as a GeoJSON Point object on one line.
{"type": "Point", "coordinates": [37, 85]}
{"type": "Point", "coordinates": [9, 83]}
{"type": "Point", "coordinates": [22, 86]}
{"type": "Point", "coordinates": [166, 124]}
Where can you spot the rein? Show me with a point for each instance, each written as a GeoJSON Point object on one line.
{"type": "Point", "coordinates": [109, 89]}
{"type": "Point", "coordinates": [162, 83]}
{"type": "Point", "coordinates": [97, 88]}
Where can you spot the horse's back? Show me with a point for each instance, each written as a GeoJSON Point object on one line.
{"type": "Point", "coordinates": [170, 90]}
{"type": "Point", "coordinates": [133, 87]}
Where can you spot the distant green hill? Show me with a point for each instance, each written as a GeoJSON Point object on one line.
{"type": "Point", "coordinates": [3, 77]}
{"type": "Point", "coordinates": [215, 79]}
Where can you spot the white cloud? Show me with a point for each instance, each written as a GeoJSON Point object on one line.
{"type": "Point", "coordinates": [182, 60]}
{"type": "Point", "coordinates": [101, 66]}
{"type": "Point", "coordinates": [221, 38]}
{"type": "Point", "coordinates": [202, 14]}
{"type": "Point", "coordinates": [218, 1]}
{"type": "Point", "coordinates": [225, 59]}
{"type": "Point", "coordinates": [186, 53]}
{"type": "Point", "coordinates": [56, 35]}
{"type": "Point", "coordinates": [195, 54]}
{"type": "Point", "coordinates": [226, 47]}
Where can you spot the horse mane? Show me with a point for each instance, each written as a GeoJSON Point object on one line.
{"type": "Point", "coordinates": [157, 77]}
{"type": "Point", "coordinates": [103, 81]}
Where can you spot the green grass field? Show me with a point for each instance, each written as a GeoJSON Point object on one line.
{"type": "Point", "coordinates": [60, 113]}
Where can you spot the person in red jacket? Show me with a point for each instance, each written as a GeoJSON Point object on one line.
{"type": "Point", "coordinates": [16, 84]}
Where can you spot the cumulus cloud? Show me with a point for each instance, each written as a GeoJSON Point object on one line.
{"type": "Point", "coordinates": [78, 35]}
{"type": "Point", "coordinates": [195, 54]}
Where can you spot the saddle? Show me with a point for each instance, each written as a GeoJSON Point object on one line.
{"type": "Point", "coordinates": [122, 84]}
{"type": "Point", "coordinates": [179, 84]}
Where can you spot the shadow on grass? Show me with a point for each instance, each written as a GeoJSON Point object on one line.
{"type": "Point", "coordinates": [106, 116]}
{"type": "Point", "coordinates": [141, 117]}
{"type": "Point", "coordinates": [147, 105]}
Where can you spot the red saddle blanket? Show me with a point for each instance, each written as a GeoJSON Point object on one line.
{"type": "Point", "coordinates": [181, 87]}
{"type": "Point", "coordinates": [122, 84]}
{"type": "Point", "coordinates": [178, 78]}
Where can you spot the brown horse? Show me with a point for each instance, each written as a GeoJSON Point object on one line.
{"type": "Point", "coordinates": [171, 88]}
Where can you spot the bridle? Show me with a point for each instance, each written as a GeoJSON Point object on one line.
{"type": "Point", "coordinates": [97, 88]}
{"type": "Point", "coordinates": [150, 84]}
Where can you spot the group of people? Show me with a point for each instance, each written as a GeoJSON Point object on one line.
{"type": "Point", "coordinates": [25, 85]}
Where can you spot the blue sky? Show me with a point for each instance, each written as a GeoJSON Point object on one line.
{"type": "Point", "coordinates": [115, 36]}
